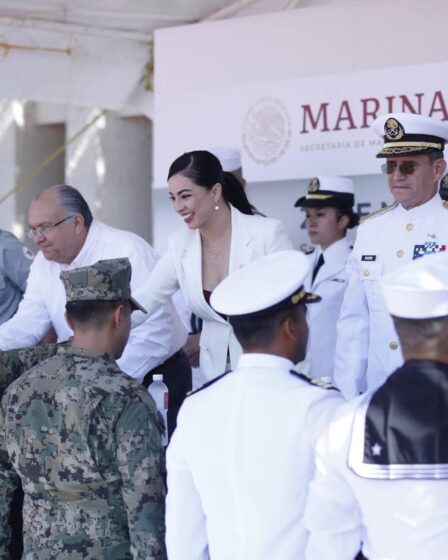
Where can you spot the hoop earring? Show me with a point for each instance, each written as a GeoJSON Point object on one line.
{"type": "Point", "coordinates": [216, 207]}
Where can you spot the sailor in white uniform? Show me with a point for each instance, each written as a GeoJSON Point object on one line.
{"type": "Point", "coordinates": [241, 458]}
{"type": "Point", "coordinates": [382, 465]}
{"type": "Point", "coordinates": [415, 225]}
{"type": "Point", "coordinates": [329, 214]}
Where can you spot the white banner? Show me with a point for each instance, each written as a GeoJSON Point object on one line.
{"type": "Point", "coordinates": [296, 128]}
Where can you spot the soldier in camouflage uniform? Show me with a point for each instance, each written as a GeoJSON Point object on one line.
{"type": "Point", "coordinates": [12, 364]}
{"type": "Point", "coordinates": [85, 439]}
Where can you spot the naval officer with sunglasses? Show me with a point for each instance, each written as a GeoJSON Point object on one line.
{"type": "Point", "coordinates": [415, 225]}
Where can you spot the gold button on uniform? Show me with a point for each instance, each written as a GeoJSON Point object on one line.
{"type": "Point", "coordinates": [366, 272]}
{"type": "Point", "coordinates": [393, 345]}
{"type": "Point", "coordinates": [409, 227]}
{"type": "Point", "coordinates": [400, 253]}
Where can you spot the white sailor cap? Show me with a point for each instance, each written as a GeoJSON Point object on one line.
{"type": "Point", "coordinates": [410, 134]}
{"type": "Point", "coordinates": [266, 285]}
{"type": "Point", "coordinates": [328, 191]}
{"type": "Point", "coordinates": [229, 157]}
{"type": "Point", "coordinates": [419, 289]}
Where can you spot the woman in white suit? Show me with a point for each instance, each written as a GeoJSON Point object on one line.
{"type": "Point", "coordinates": [329, 213]}
{"type": "Point", "coordinates": [217, 240]}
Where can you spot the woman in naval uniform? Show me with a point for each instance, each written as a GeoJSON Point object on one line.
{"type": "Point", "coordinates": [329, 213]}
{"type": "Point", "coordinates": [217, 240]}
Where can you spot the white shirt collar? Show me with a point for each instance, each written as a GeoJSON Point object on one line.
{"type": "Point", "coordinates": [335, 250]}
{"type": "Point", "coordinates": [268, 361]}
{"type": "Point", "coordinates": [89, 243]}
{"type": "Point", "coordinates": [420, 211]}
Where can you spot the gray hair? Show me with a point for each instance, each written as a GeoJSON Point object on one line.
{"type": "Point", "coordinates": [418, 332]}
{"type": "Point", "coordinates": [73, 202]}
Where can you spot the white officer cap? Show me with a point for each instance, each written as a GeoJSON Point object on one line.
{"type": "Point", "coordinates": [419, 289]}
{"type": "Point", "coordinates": [229, 157]}
{"type": "Point", "coordinates": [271, 283]}
{"type": "Point", "coordinates": [409, 134]}
{"type": "Point", "coordinates": [328, 191]}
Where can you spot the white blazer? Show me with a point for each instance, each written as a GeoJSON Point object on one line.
{"type": "Point", "coordinates": [330, 284]}
{"type": "Point", "coordinates": [181, 267]}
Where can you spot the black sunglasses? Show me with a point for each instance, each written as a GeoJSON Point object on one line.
{"type": "Point", "coordinates": [406, 167]}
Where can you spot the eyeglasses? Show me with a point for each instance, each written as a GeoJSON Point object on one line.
{"type": "Point", "coordinates": [42, 231]}
{"type": "Point", "coordinates": [406, 167]}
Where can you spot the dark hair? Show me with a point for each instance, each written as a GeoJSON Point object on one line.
{"type": "Point", "coordinates": [202, 167]}
{"type": "Point", "coordinates": [234, 193]}
{"type": "Point", "coordinates": [348, 211]}
{"type": "Point", "coordinates": [415, 332]}
{"type": "Point", "coordinates": [205, 170]}
{"type": "Point", "coordinates": [73, 202]}
{"type": "Point", "coordinates": [91, 313]}
{"type": "Point", "coordinates": [258, 331]}
{"type": "Point", "coordinates": [435, 155]}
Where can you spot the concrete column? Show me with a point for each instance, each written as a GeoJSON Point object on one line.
{"type": "Point", "coordinates": [34, 143]}
{"type": "Point", "coordinates": [7, 164]}
{"type": "Point", "coordinates": [111, 165]}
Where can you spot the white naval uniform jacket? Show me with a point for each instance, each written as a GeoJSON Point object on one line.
{"type": "Point", "coordinates": [330, 284]}
{"type": "Point", "coordinates": [367, 349]}
{"type": "Point", "coordinates": [181, 267]}
{"type": "Point", "coordinates": [395, 519]}
{"type": "Point", "coordinates": [43, 304]}
{"type": "Point", "coordinates": [240, 461]}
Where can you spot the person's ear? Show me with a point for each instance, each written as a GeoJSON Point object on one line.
{"type": "Point", "coordinates": [216, 192]}
{"type": "Point", "coordinates": [291, 329]}
{"type": "Point", "coordinates": [79, 223]}
{"type": "Point", "coordinates": [343, 222]}
{"type": "Point", "coordinates": [439, 169]}
{"type": "Point", "coordinates": [118, 316]}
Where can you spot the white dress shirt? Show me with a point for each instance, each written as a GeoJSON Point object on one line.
{"type": "Point", "coordinates": [240, 461]}
{"type": "Point", "coordinates": [367, 348]}
{"type": "Point", "coordinates": [330, 284]}
{"type": "Point", "coordinates": [43, 304]}
{"type": "Point", "coordinates": [395, 519]}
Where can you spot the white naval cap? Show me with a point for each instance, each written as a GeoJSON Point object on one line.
{"type": "Point", "coordinates": [419, 289]}
{"type": "Point", "coordinates": [268, 284]}
{"type": "Point", "coordinates": [410, 134]}
{"type": "Point", "coordinates": [229, 157]}
{"type": "Point", "coordinates": [326, 190]}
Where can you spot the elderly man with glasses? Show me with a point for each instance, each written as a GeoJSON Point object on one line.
{"type": "Point", "coordinates": [416, 224]}
{"type": "Point", "coordinates": [62, 225]}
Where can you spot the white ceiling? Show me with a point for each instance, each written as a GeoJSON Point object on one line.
{"type": "Point", "coordinates": [139, 16]}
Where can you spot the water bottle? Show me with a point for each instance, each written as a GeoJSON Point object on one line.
{"type": "Point", "coordinates": [159, 392]}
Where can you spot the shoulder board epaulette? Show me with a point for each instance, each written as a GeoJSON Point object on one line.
{"type": "Point", "coordinates": [307, 249]}
{"type": "Point", "coordinates": [208, 384]}
{"type": "Point", "coordinates": [378, 212]}
{"type": "Point", "coordinates": [445, 204]}
{"type": "Point", "coordinates": [317, 381]}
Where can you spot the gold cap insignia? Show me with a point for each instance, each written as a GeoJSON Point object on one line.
{"type": "Point", "coordinates": [393, 130]}
{"type": "Point", "coordinates": [314, 185]}
{"type": "Point", "coordinates": [298, 296]}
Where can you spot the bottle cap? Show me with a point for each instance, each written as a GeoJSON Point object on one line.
{"type": "Point", "coordinates": [157, 377]}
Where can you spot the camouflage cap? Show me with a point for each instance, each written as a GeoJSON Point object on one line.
{"type": "Point", "coordinates": [107, 280]}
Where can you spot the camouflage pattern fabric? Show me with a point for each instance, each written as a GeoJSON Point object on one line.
{"type": "Point", "coordinates": [85, 441]}
{"type": "Point", "coordinates": [15, 362]}
{"type": "Point", "coordinates": [107, 280]}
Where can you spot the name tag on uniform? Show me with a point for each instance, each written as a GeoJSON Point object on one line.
{"type": "Point", "coordinates": [427, 249]}
{"type": "Point", "coordinates": [368, 258]}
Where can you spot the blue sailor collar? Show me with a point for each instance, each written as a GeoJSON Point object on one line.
{"type": "Point", "coordinates": [401, 430]}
